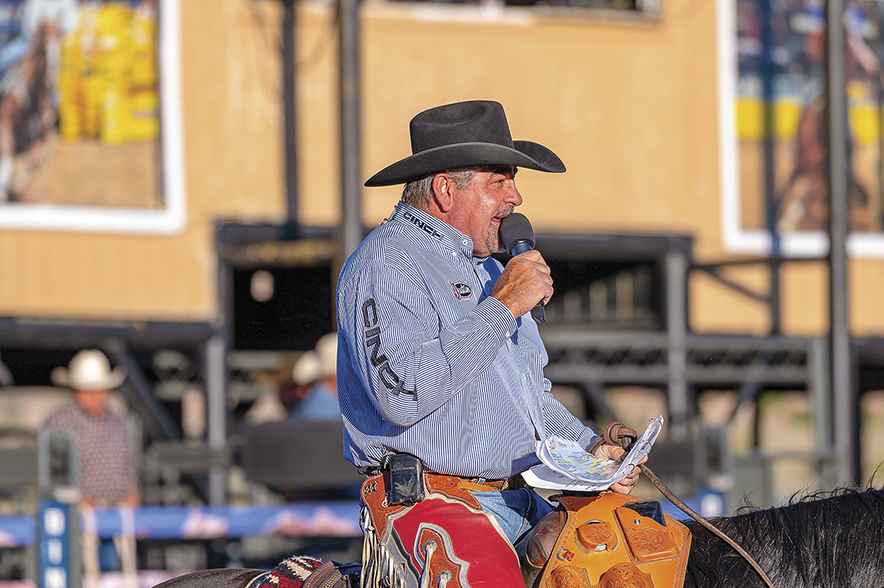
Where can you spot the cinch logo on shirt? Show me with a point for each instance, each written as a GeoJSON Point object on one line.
{"type": "Point", "coordinates": [462, 291]}
{"type": "Point", "coordinates": [421, 224]}
{"type": "Point", "coordinates": [373, 340]}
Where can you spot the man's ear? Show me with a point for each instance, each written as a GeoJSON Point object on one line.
{"type": "Point", "coordinates": [443, 188]}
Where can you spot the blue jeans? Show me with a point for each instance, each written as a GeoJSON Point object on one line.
{"type": "Point", "coordinates": [517, 511]}
{"type": "Point", "coordinates": [108, 558]}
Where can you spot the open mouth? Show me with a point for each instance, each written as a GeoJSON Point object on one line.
{"type": "Point", "coordinates": [499, 217]}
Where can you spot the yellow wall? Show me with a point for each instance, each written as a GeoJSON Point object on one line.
{"type": "Point", "coordinates": [618, 101]}
{"type": "Point", "coordinates": [232, 137]}
{"type": "Point", "coordinates": [629, 104]}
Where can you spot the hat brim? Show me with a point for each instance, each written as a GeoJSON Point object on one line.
{"type": "Point", "coordinates": [61, 376]}
{"type": "Point", "coordinates": [525, 154]}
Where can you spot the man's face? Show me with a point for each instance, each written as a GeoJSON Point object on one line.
{"type": "Point", "coordinates": [92, 401]}
{"type": "Point", "coordinates": [476, 210]}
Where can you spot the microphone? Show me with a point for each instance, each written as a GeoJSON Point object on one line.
{"type": "Point", "coordinates": [517, 236]}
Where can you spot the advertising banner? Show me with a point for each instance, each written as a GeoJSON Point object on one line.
{"type": "Point", "coordinates": [90, 115]}
{"type": "Point", "coordinates": [774, 129]}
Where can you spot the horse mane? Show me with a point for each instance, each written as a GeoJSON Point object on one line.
{"type": "Point", "coordinates": [819, 539]}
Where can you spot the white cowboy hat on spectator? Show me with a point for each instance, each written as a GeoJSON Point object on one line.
{"type": "Point", "coordinates": [327, 350]}
{"type": "Point", "coordinates": [89, 370]}
{"type": "Point", "coordinates": [307, 369]}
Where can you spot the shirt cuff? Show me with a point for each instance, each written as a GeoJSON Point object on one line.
{"type": "Point", "coordinates": [498, 317]}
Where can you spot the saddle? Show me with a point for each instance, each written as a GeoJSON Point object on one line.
{"type": "Point", "coordinates": [610, 540]}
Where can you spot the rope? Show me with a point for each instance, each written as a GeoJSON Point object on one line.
{"type": "Point", "coordinates": [622, 436]}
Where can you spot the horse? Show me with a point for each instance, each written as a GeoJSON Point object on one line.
{"type": "Point", "coordinates": [816, 540]}
{"type": "Point", "coordinates": [819, 540]}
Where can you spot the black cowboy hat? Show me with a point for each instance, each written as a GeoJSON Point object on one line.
{"type": "Point", "coordinates": [464, 134]}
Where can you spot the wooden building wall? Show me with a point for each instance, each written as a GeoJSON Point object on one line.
{"type": "Point", "coordinates": [629, 104]}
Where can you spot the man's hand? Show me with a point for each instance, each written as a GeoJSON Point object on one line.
{"type": "Point", "coordinates": [525, 281]}
{"type": "Point", "coordinates": [616, 453]}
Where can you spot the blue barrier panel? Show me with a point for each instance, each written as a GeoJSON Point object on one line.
{"type": "Point", "coordinates": [706, 503]}
{"type": "Point", "coordinates": [54, 560]}
{"type": "Point", "coordinates": [320, 519]}
{"type": "Point", "coordinates": [17, 531]}
{"type": "Point", "coordinates": [173, 522]}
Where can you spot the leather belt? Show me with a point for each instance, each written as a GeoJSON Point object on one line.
{"type": "Point", "coordinates": [471, 483]}
{"type": "Point", "coordinates": [481, 484]}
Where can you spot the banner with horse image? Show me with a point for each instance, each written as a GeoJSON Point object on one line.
{"type": "Point", "coordinates": [90, 135]}
{"type": "Point", "coordinates": [775, 191]}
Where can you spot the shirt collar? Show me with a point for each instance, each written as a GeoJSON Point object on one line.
{"type": "Point", "coordinates": [433, 228]}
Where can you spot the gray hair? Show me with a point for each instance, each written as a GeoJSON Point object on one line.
{"type": "Point", "coordinates": [419, 193]}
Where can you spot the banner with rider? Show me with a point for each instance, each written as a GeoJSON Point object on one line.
{"type": "Point", "coordinates": [775, 187]}
{"type": "Point", "coordinates": [84, 90]}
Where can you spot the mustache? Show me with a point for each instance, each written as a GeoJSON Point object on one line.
{"type": "Point", "coordinates": [504, 211]}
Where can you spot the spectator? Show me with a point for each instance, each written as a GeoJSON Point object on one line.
{"type": "Point", "coordinates": [106, 475]}
{"type": "Point", "coordinates": [315, 376]}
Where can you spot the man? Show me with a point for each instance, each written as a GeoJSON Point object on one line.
{"type": "Point", "coordinates": [315, 375]}
{"type": "Point", "coordinates": [106, 475]}
{"type": "Point", "coordinates": [440, 359]}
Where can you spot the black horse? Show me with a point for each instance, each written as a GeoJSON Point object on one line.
{"type": "Point", "coordinates": [833, 539]}
{"type": "Point", "coordinates": [826, 539]}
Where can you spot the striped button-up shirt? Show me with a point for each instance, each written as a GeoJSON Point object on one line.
{"type": "Point", "coordinates": [430, 364]}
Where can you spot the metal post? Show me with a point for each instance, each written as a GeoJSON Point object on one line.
{"type": "Point", "coordinates": [289, 107]}
{"type": "Point", "coordinates": [818, 388]}
{"type": "Point", "coordinates": [879, 103]}
{"type": "Point", "coordinates": [676, 325]}
{"type": "Point", "coordinates": [215, 370]}
{"type": "Point", "coordinates": [216, 405]}
{"type": "Point", "coordinates": [769, 126]}
{"type": "Point", "coordinates": [351, 183]}
{"type": "Point", "coordinates": [843, 397]}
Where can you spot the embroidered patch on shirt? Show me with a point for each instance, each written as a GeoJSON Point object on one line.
{"type": "Point", "coordinates": [462, 291]}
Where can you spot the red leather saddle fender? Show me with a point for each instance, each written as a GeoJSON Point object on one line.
{"type": "Point", "coordinates": [611, 540]}
{"type": "Point", "coordinates": [443, 541]}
